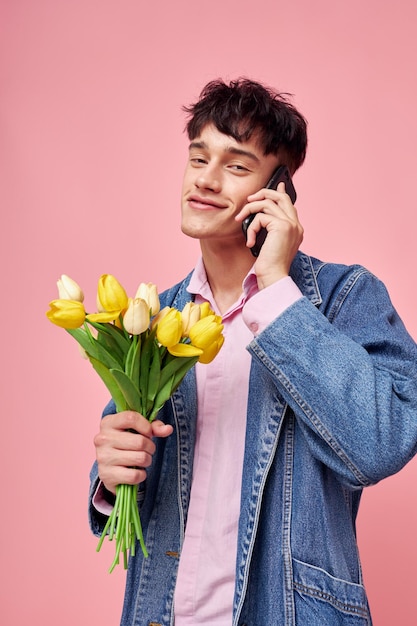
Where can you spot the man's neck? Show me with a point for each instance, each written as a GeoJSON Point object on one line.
{"type": "Point", "coordinates": [226, 270]}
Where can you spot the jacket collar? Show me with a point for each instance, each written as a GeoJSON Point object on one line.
{"type": "Point", "coordinates": [303, 274]}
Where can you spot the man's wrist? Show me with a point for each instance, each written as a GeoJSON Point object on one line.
{"type": "Point", "coordinates": [266, 280]}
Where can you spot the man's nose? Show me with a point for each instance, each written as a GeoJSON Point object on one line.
{"type": "Point", "coordinates": [208, 179]}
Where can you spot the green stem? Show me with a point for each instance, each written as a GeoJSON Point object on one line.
{"type": "Point", "coordinates": [124, 525]}
{"type": "Point", "coordinates": [137, 523]}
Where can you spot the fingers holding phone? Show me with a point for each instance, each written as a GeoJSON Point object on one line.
{"type": "Point", "coordinates": [280, 179]}
{"type": "Point", "coordinates": [271, 224]}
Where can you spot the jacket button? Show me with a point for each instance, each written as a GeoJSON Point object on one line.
{"type": "Point", "coordinates": [154, 624]}
{"type": "Point", "coordinates": [174, 554]}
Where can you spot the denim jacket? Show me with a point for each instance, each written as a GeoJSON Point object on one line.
{"type": "Point", "coordinates": [332, 408]}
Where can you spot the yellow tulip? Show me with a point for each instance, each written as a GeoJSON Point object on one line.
{"type": "Point", "coordinates": [68, 314]}
{"type": "Point", "coordinates": [190, 315]}
{"type": "Point", "coordinates": [205, 331]}
{"type": "Point", "coordinates": [169, 328]}
{"type": "Point", "coordinates": [136, 318]}
{"type": "Point", "coordinates": [212, 350]}
{"type": "Point", "coordinates": [149, 293]}
{"type": "Point", "coordinates": [111, 296]}
{"type": "Point", "coordinates": [207, 335]}
{"type": "Point", "coordinates": [205, 309]}
{"type": "Point", "coordinates": [68, 289]}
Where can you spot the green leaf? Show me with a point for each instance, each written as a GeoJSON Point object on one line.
{"type": "Point", "coordinates": [181, 372]}
{"type": "Point", "coordinates": [116, 333]}
{"type": "Point", "coordinates": [154, 376]}
{"type": "Point", "coordinates": [162, 396]}
{"type": "Point", "coordinates": [135, 366]}
{"type": "Point", "coordinates": [145, 361]}
{"type": "Point", "coordinates": [132, 358]}
{"type": "Point", "coordinates": [84, 339]}
{"type": "Point", "coordinates": [129, 390]}
{"type": "Point", "coordinates": [178, 368]}
{"type": "Point", "coordinates": [109, 344]}
{"type": "Point", "coordinates": [111, 384]}
{"type": "Point", "coordinates": [173, 365]}
{"type": "Point", "coordinates": [93, 348]}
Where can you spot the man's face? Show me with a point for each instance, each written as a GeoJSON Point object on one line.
{"type": "Point", "coordinates": [219, 176]}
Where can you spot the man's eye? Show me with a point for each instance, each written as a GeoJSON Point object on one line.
{"type": "Point", "coordinates": [238, 168]}
{"type": "Point", "coordinates": [197, 161]}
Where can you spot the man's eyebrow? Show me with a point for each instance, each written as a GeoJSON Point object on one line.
{"type": "Point", "coordinates": [201, 145]}
{"type": "Point", "coordinates": [241, 152]}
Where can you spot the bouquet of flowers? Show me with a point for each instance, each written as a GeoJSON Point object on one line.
{"type": "Point", "coordinates": [141, 353]}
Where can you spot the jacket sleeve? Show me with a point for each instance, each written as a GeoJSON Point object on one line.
{"type": "Point", "coordinates": [350, 378]}
{"type": "Point", "coordinates": [96, 519]}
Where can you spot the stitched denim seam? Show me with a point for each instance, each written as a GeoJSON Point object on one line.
{"type": "Point", "coordinates": [324, 433]}
{"type": "Point", "coordinates": [327, 597]}
{"type": "Point", "coordinates": [287, 514]}
{"type": "Point", "coordinates": [344, 292]}
{"type": "Point", "coordinates": [249, 540]}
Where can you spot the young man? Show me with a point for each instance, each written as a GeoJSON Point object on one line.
{"type": "Point", "coordinates": [254, 471]}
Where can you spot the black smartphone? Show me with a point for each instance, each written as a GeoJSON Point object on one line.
{"type": "Point", "coordinates": [281, 174]}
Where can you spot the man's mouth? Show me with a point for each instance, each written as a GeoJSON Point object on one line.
{"type": "Point", "coordinates": [202, 203]}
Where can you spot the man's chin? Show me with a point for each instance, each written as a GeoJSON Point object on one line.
{"type": "Point", "coordinates": [189, 231]}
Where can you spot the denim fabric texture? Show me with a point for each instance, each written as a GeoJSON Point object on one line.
{"type": "Point", "coordinates": [332, 409]}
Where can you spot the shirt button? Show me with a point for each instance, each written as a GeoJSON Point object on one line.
{"type": "Point", "coordinates": [254, 326]}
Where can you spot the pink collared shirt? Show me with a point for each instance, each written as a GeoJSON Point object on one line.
{"type": "Point", "coordinates": [206, 576]}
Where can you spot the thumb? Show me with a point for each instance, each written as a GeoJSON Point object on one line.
{"type": "Point", "coordinates": [159, 429]}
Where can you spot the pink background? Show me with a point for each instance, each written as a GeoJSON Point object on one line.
{"type": "Point", "coordinates": [91, 159]}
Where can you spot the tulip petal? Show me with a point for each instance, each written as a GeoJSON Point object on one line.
{"type": "Point", "coordinates": [104, 318]}
{"type": "Point", "coordinates": [184, 349]}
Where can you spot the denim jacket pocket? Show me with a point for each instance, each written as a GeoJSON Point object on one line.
{"type": "Point", "coordinates": [323, 600]}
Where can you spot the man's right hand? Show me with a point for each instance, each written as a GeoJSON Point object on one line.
{"type": "Point", "coordinates": [122, 455]}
